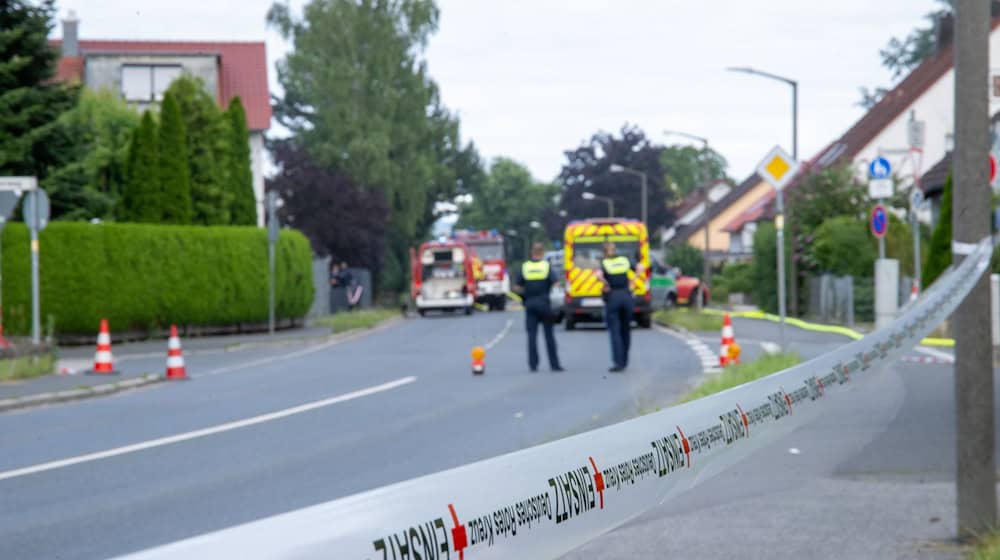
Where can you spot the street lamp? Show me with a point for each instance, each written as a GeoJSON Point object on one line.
{"type": "Point", "coordinates": [609, 200]}
{"type": "Point", "coordinates": [704, 191]}
{"type": "Point", "coordinates": [615, 168]}
{"type": "Point", "coordinates": [779, 222]}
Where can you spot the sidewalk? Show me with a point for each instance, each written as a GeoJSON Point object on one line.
{"type": "Point", "coordinates": [142, 363]}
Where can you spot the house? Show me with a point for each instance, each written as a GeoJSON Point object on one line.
{"type": "Point", "coordinates": [912, 126]}
{"type": "Point", "coordinates": [142, 70]}
{"type": "Point", "coordinates": [724, 206]}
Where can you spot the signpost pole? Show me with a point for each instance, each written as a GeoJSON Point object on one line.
{"type": "Point", "coordinates": [36, 323]}
{"type": "Point", "coordinates": [881, 247]}
{"type": "Point", "coordinates": [916, 248]}
{"type": "Point", "coordinates": [781, 267]}
{"type": "Point", "coordinates": [272, 237]}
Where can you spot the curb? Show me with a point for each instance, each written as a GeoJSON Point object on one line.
{"type": "Point", "coordinates": [151, 378]}
{"type": "Point", "coordinates": [79, 393]}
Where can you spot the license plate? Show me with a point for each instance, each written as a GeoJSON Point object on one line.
{"type": "Point", "coordinates": [592, 302]}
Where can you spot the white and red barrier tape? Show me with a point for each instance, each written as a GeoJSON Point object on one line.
{"type": "Point", "coordinates": [544, 501]}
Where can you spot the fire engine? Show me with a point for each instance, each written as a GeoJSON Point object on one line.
{"type": "Point", "coordinates": [442, 277]}
{"type": "Point", "coordinates": [488, 265]}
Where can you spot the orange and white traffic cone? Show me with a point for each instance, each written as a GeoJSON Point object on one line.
{"type": "Point", "coordinates": [478, 360]}
{"type": "Point", "coordinates": [103, 361]}
{"type": "Point", "coordinates": [175, 357]}
{"type": "Point", "coordinates": [727, 339]}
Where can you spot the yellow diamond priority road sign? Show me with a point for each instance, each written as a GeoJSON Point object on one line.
{"type": "Point", "coordinates": [777, 168]}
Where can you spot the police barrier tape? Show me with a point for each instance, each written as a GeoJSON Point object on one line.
{"type": "Point", "coordinates": [546, 500]}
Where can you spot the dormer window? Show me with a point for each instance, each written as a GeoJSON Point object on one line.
{"type": "Point", "coordinates": [144, 83]}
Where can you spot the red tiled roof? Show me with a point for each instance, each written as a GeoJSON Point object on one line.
{"type": "Point", "coordinates": [756, 211]}
{"type": "Point", "coordinates": [242, 69]}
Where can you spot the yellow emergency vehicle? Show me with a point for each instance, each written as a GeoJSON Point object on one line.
{"type": "Point", "coordinates": [584, 249]}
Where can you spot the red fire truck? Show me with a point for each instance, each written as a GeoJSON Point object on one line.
{"type": "Point", "coordinates": [488, 265]}
{"type": "Point", "coordinates": [442, 278]}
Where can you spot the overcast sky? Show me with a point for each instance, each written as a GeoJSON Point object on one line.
{"type": "Point", "coordinates": [533, 78]}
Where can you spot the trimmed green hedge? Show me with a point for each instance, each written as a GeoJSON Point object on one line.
{"type": "Point", "coordinates": [142, 276]}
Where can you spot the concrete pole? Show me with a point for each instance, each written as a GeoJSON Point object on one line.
{"type": "Point", "coordinates": [975, 475]}
{"type": "Point", "coordinates": [793, 296]}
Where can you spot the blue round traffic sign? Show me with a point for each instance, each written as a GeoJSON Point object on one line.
{"type": "Point", "coordinates": [878, 221]}
{"type": "Point", "coordinates": [879, 168]}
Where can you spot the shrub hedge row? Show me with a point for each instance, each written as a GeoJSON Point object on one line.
{"type": "Point", "coordinates": [142, 276]}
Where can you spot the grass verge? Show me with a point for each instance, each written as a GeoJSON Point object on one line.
{"type": "Point", "coordinates": [27, 367]}
{"type": "Point", "coordinates": [688, 319]}
{"type": "Point", "coordinates": [989, 549]}
{"type": "Point", "coordinates": [742, 373]}
{"type": "Point", "coordinates": [355, 320]}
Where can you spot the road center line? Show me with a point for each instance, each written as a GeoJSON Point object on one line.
{"type": "Point", "coordinates": [228, 426]}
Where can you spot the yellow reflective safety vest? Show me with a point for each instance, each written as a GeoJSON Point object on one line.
{"type": "Point", "coordinates": [535, 270]}
{"type": "Point", "coordinates": [616, 272]}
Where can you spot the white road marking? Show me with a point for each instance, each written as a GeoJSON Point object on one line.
{"type": "Point", "coordinates": [519, 414]}
{"type": "Point", "coordinates": [709, 359]}
{"type": "Point", "coordinates": [944, 356]}
{"type": "Point", "coordinates": [770, 347]}
{"type": "Point", "coordinates": [228, 426]}
{"type": "Point", "coordinates": [496, 339]}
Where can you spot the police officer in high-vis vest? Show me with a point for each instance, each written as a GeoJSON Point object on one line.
{"type": "Point", "coordinates": [618, 304]}
{"type": "Point", "coordinates": [534, 283]}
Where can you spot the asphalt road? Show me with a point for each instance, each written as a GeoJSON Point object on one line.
{"type": "Point", "coordinates": [279, 428]}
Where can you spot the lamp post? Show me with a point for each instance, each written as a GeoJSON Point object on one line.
{"type": "Point", "coordinates": [607, 199]}
{"type": "Point", "coordinates": [615, 168]}
{"type": "Point", "coordinates": [779, 222]}
{"type": "Point", "coordinates": [705, 273]}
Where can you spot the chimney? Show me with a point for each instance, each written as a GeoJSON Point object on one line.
{"type": "Point", "coordinates": [70, 36]}
{"type": "Point", "coordinates": [944, 30]}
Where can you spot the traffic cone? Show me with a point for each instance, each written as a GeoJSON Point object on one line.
{"type": "Point", "coordinates": [175, 357]}
{"type": "Point", "coordinates": [103, 361]}
{"type": "Point", "coordinates": [478, 360]}
{"type": "Point", "coordinates": [727, 339]}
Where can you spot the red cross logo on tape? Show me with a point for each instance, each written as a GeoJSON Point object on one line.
{"type": "Point", "coordinates": [743, 415]}
{"type": "Point", "coordinates": [788, 400]}
{"type": "Point", "coordinates": [458, 536]}
{"type": "Point", "coordinates": [598, 480]}
{"type": "Point", "coordinates": [822, 389]}
{"type": "Point", "coordinates": [686, 445]}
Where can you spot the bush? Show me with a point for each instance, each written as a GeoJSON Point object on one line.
{"type": "Point", "coordinates": [939, 250]}
{"type": "Point", "coordinates": [765, 267]}
{"type": "Point", "coordinates": [844, 246]}
{"type": "Point", "coordinates": [686, 258]}
{"type": "Point", "coordinates": [141, 276]}
{"type": "Point", "coordinates": [737, 277]}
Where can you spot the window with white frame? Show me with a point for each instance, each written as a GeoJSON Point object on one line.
{"type": "Point", "coordinates": [146, 83]}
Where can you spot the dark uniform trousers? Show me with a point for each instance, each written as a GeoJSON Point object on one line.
{"type": "Point", "coordinates": [537, 310]}
{"type": "Point", "coordinates": [618, 317]}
